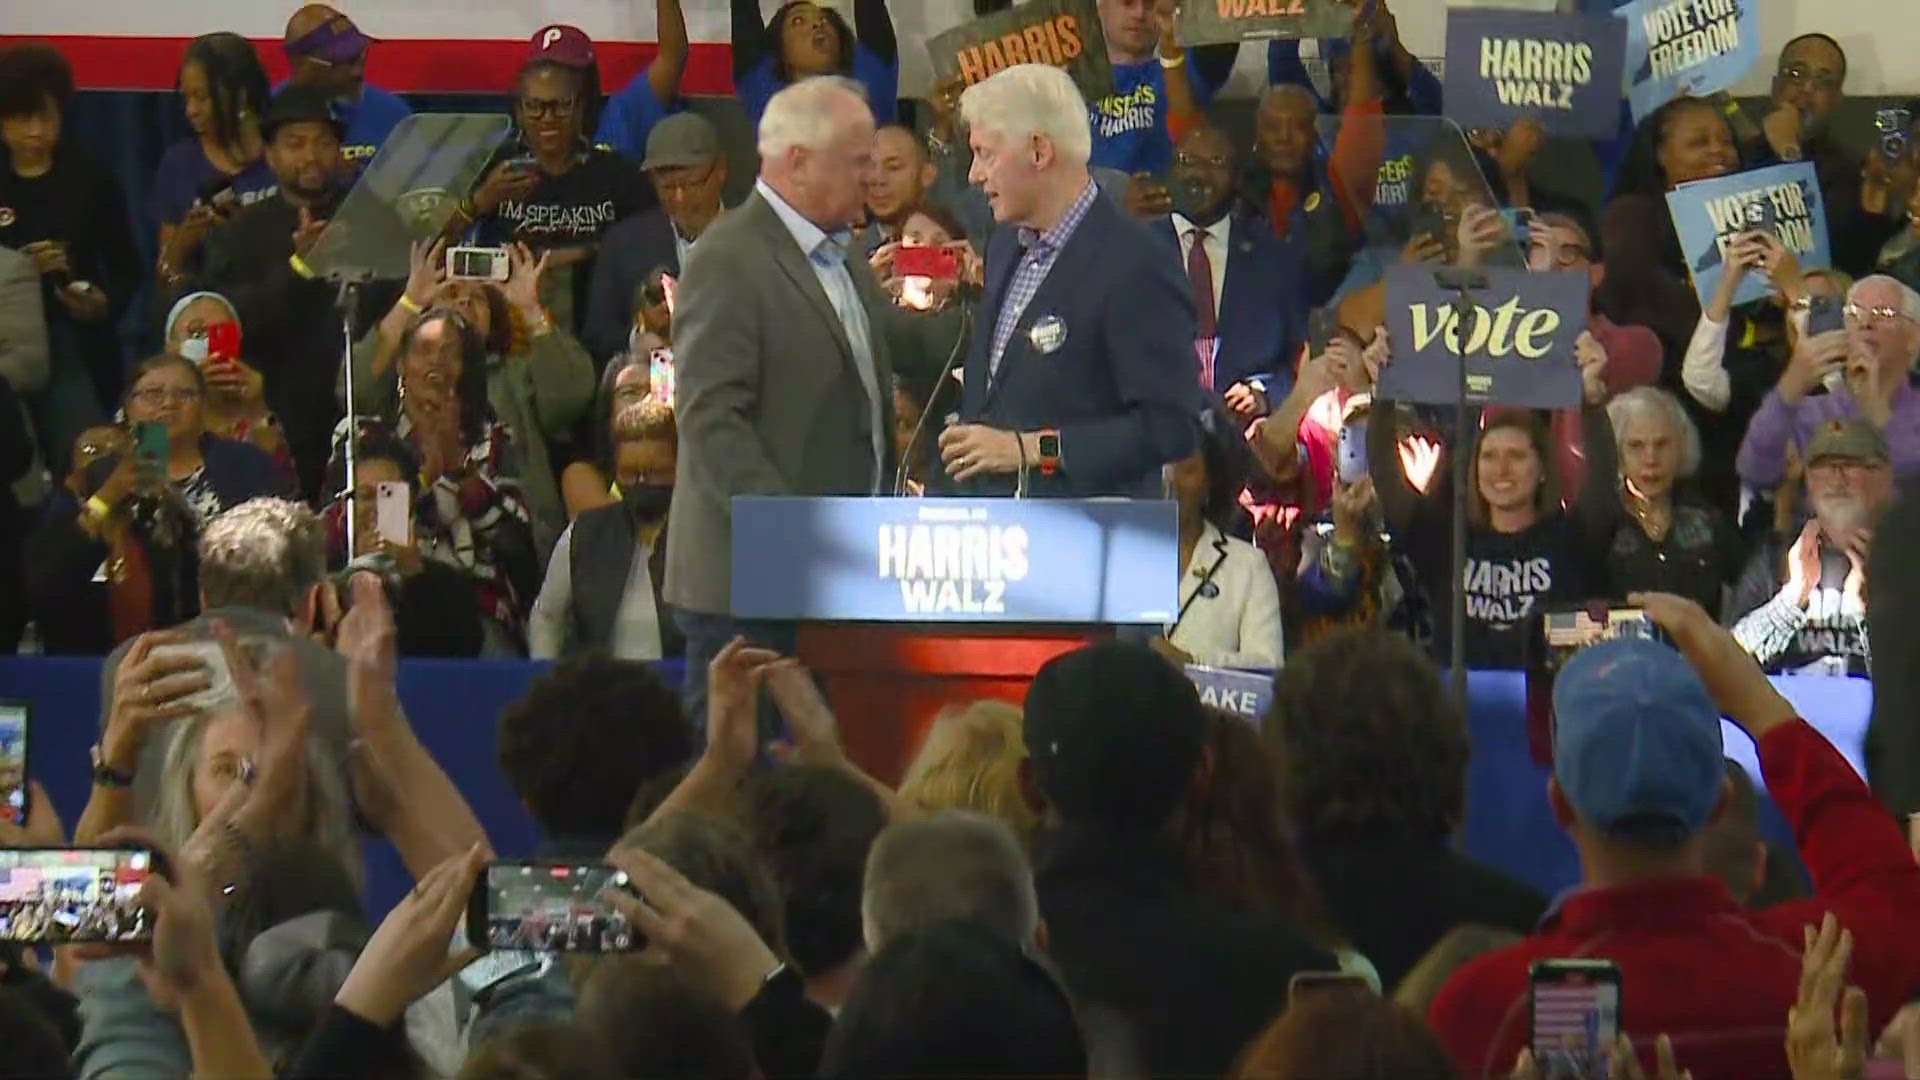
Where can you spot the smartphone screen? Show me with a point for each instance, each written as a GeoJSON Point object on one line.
{"type": "Point", "coordinates": [660, 375]}
{"type": "Point", "coordinates": [393, 512]}
{"type": "Point", "coordinates": [937, 263]}
{"type": "Point", "coordinates": [53, 896]}
{"type": "Point", "coordinates": [1576, 1016]}
{"type": "Point", "coordinates": [1352, 451]}
{"type": "Point", "coordinates": [1320, 324]}
{"type": "Point", "coordinates": [1564, 630]}
{"type": "Point", "coordinates": [13, 761]}
{"type": "Point", "coordinates": [1305, 984]}
{"type": "Point", "coordinates": [549, 907]}
{"type": "Point", "coordinates": [150, 444]}
{"type": "Point", "coordinates": [1824, 314]}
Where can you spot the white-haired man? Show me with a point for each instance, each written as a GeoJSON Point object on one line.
{"type": "Point", "coordinates": [1875, 356]}
{"type": "Point", "coordinates": [783, 377]}
{"type": "Point", "coordinates": [1082, 377]}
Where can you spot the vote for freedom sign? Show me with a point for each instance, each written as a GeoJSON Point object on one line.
{"type": "Point", "coordinates": [1063, 33]}
{"type": "Point", "coordinates": [1677, 47]}
{"type": "Point", "coordinates": [1517, 341]}
{"type": "Point", "coordinates": [1210, 22]}
{"type": "Point", "coordinates": [1710, 214]}
{"type": "Point", "coordinates": [1562, 70]}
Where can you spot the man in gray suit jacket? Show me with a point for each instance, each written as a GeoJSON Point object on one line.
{"type": "Point", "coordinates": [783, 378]}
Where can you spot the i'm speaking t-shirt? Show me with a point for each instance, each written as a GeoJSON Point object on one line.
{"type": "Point", "coordinates": [1507, 579]}
{"type": "Point", "coordinates": [575, 207]}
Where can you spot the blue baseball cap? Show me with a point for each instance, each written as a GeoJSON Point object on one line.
{"type": "Point", "coordinates": [1636, 740]}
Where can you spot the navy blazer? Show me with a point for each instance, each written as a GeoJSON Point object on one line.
{"type": "Point", "coordinates": [629, 252]}
{"type": "Point", "coordinates": [1263, 306]}
{"type": "Point", "coordinates": [1121, 384]}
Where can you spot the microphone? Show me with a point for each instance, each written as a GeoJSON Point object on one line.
{"type": "Point", "coordinates": [953, 356]}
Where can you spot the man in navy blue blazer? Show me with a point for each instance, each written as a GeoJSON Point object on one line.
{"type": "Point", "coordinates": [1249, 289]}
{"type": "Point", "coordinates": [1081, 378]}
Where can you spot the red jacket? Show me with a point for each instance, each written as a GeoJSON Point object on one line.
{"type": "Point", "coordinates": [1695, 966]}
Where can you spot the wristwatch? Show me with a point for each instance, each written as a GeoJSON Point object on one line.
{"type": "Point", "coordinates": [1049, 442]}
{"type": "Point", "coordinates": [106, 775]}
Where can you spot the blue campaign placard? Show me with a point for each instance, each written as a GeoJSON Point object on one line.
{"type": "Point", "coordinates": [1518, 350]}
{"type": "Point", "coordinates": [1781, 199]}
{"type": "Point", "coordinates": [955, 560]}
{"type": "Point", "coordinates": [1562, 70]}
{"type": "Point", "coordinates": [1242, 693]}
{"type": "Point", "coordinates": [1695, 47]}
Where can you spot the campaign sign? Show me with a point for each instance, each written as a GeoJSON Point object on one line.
{"type": "Point", "coordinates": [1214, 22]}
{"type": "Point", "coordinates": [1677, 47]}
{"type": "Point", "coordinates": [955, 560]}
{"type": "Point", "coordinates": [1781, 199]}
{"type": "Point", "coordinates": [1242, 693]}
{"type": "Point", "coordinates": [1518, 347]}
{"type": "Point", "coordinates": [1562, 70]}
{"type": "Point", "coordinates": [1063, 33]}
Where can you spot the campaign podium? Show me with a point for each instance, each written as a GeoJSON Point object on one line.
{"type": "Point", "coordinates": [907, 606]}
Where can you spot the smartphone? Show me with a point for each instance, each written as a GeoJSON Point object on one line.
{"type": "Point", "coordinates": [1321, 324]}
{"type": "Point", "coordinates": [660, 375]}
{"type": "Point", "coordinates": [549, 907]}
{"type": "Point", "coordinates": [393, 511]}
{"type": "Point", "coordinates": [55, 896]}
{"type": "Point", "coordinates": [1430, 221]}
{"type": "Point", "coordinates": [1824, 315]}
{"type": "Point", "coordinates": [220, 692]}
{"type": "Point", "coordinates": [1306, 984]}
{"type": "Point", "coordinates": [1351, 451]}
{"type": "Point", "coordinates": [1561, 631]}
{"type": "Point", "coordinates": [1894, 127]}
{"type": "Point", "coordinates": [13, 761]}
{"type": "Point", "coordinates": [1576, 1016]}
{"type": "Point", "coordinates": [478, 264]}
{"type": "Point", "coordinates": [150, 445]}
{"type": "Point", "coordinates": [1519, 221]}
{"type": "Point", "coordinates": [915, 260]}
{"type": "Point", "coordinates": [223, 341]}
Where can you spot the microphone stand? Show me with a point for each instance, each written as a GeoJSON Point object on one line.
{"type": "Point", "coordinates": [1462, 281]}
{"type": "Point", "coordinates": [348, 301]}
{"type": "Point", "coordinates": [963, 295]}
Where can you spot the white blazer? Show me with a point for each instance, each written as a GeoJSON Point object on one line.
{"type": "Point", "coordinates": [1230, 605]}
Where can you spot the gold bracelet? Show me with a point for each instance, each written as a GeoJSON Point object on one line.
{"type": "Point", "coordinates": [98, 508]}
{"type": "Point", "coordinates": [300, 266]}
{"type": "Point", "coordinates": [407, 302]}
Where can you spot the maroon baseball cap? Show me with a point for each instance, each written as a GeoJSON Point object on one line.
{"type": "Point", "coordinates": [562, 44]}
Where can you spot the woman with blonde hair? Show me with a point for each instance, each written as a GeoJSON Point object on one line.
{"type": "Point", "coordinates": [970, 760]}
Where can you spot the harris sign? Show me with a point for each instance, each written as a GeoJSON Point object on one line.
{"type": "Point", "coordinates": [1062, 33]}
{"type": "Point", "coordinates": [1562, 70]}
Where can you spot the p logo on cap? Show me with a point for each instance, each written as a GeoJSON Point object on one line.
{"type": "Point", "coordinates": [549, 36]}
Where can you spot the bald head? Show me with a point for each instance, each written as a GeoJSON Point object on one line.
{"type": "Point", "coordinates": [327, 52]}
{"type": "Point", "coordinates": [816, 149]}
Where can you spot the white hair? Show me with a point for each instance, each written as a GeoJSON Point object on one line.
{"type": "Point", "coordinates": [1653, 403]}
{"type": "Point", "coordinates": [1032, 99]}
{"type": "Point", "coordinates": [953, 864]}
{"type": "Point", "coordinates": [1909, 300]}
{"type": "Point", "coordinates": [803, 114]}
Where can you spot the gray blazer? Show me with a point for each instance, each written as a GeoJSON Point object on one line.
{"type": "Point", "coordinates": [766, 394]}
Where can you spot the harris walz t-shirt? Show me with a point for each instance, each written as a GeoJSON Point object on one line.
{"type": "Point", "coordinates": [1507, 579]}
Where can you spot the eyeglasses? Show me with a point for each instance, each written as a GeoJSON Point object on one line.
{"type": "Point", "coordinates": [1875, 315]}
{"type": "Point", "coordinates": [160, 395]}
{"type": "Point", "coordinates": [1819, 79]}
{"type": "Point", "coordinates": [538, 108]}
{"type": "Point", "coordinates": [1196, 161]}
{"type": "Point", "coordinates": [668, 186]}
{"type": "Point", "coordinates": [1848, 466]}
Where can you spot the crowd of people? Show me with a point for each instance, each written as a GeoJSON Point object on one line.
{"type": "Point", "coordinates": [1004, 289]}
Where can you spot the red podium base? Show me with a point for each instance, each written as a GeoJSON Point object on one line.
{"type": "Point", "coordinates": [887, 681]}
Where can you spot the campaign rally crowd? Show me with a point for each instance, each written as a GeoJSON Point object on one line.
{"type": "Point", "coordinates": [254, 508]}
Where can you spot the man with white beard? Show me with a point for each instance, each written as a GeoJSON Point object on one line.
{"type": "Point", "coordinates": [1801, 609]}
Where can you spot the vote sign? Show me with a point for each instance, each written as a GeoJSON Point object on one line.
{"type": "Point", "coordinates": [1517, 339]}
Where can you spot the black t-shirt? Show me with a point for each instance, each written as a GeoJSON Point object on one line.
{"type": "Point", "coordinates": [1508, 577]}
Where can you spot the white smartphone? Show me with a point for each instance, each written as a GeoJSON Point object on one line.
{"type": "Point", "coordinates": [393, 512]}
{"type": "Point", "coordinates": [220, 691]}
{"type": "Point", "coordinates": [478, 264]}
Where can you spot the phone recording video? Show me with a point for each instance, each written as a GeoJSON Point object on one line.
{"type": "Point", "coordinates": [1576, 1016]}
{"type": "Point", "coordinates": [1306, 984]}
{"type": "Point", "coordinates": [478, 264]}
{"type": "Point", "coordinates": [919, 260]}
{"type": "Point", "coordinates": [150, 449]}
{"type": "Point", "coordinates": [549, 907]}
{"type": "Point", "coordinates": [54, 896]}
{"type": "Point", "coordinates": [1824, 314]}
{"type": "Point", "coordinates": [393, 512]}
{"type": "Point", "coordinates": [13, 761]}
{"type": "Point", "coordinates": [1564, 630]}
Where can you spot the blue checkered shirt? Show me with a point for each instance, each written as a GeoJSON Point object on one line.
{"type": "Point", "coordinates": [1040, 251]}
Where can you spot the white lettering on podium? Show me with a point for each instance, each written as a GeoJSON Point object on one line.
{"type": "Point", "coordinates": [953, 569]}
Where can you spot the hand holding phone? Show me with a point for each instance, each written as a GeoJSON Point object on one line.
{"type": "Point", "coordinates": [549, 907]}
{"type": "Point", "coordinates": [58, 896]}
{"type": "Point", "coordinates": [935, 263]}
{"type": "Point", "coordinates": [393, 512]}
{"type": "Point", "coordinates": [1576, 1016]}
{"type": "Point", "coordinates": [407, 955]}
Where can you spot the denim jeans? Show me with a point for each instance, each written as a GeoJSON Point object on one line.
{"type": "Point", "coordinates": [707, 634]}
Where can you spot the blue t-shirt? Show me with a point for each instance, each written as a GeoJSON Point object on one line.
{"type": "Point", "coordinates": [759, 84]}
{"type": "Point", "coordinates": [1130, 125]}
{"type": "Point", "coordinates": [369, 121]}
{"type": "Point", "coordinates": [184, 170]}
{"type": "Point", "coordinates": [630, 116]}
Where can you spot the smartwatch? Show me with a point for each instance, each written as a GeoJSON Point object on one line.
{"type": "Point", "coordinates": [105, 775]}
{"type": "Point", "coordinates": [1049, 442]}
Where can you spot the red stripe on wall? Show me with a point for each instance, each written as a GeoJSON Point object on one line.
{"type": "Point", "coordinates": [403, 65]}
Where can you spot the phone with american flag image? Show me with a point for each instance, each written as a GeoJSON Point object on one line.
{"type": "Point", "coordinates": [1576, 1016]}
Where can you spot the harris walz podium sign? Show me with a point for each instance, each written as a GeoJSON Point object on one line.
{"type": "Point", "coordinates": [1063, 33]}
{"type": "Point", "coordinates": [1215, 22]}
{"type": "Point", "coordinates": [1518, 348]}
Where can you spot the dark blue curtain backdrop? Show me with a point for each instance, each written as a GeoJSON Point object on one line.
{"type": "Point", "coordinates": [128, 130]}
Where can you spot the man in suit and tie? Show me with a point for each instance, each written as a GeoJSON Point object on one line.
{"type": "Point", "coordinates": [688, 169]}
{"type": "Point", "coordinates": [1249, 295]}
{"type": "Point", "coordinates": [783, 380]}
{"type": "Point", "coordinates": [1080, 380]}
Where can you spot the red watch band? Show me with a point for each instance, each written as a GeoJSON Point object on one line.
{"type": "Point", "coordinates": [1049, 446]}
